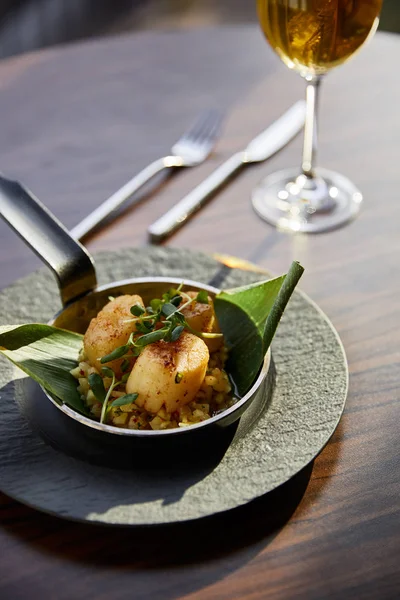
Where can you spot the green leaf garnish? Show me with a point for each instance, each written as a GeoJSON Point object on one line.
{"type": "Point", "coordinates": [127, 399]}
{"type": "Point", "coordinates": [137, 310]}
{"type": "Point", "coordinates": [107, 372]}
{"type": "Point", "coordinates": [97, 386]}
{"type": "Point", "coordinates": [248, 317]}
{"type": "Point", "coordinates": [47, 355]}
{"type": "Point", "coordinates": [144, 326]}
{"type": "Point", "coordinates": [117, 353]}
{"type": "Point", "coordinates": [155, 304]}
{"type": "Point", "coordinates": [150, 338]}
{"type": "Point", "coordinates": [176, 332]}
{"type": "Point", "coordinates": [125, 365]}
{"type": "Point", "coordinates": [178, 377]}
{"type": "Point", "coordinates": [176, 300]}
{"type": "Point", "coordinates": [173, 292]}
{"type": "Point", "coordinates": [179, 318]}
{"type": "Point", "coordinates": [168, 309]}
{"type": "Point", "coordinates": [202, 297]}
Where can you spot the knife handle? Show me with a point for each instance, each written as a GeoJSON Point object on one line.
{"type": "Point", "coordinates": [185, 208]}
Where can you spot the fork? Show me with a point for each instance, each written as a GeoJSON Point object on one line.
{"type": "Point", "coordinates": [190, 150]}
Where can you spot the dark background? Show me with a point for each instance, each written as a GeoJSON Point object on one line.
{"type": "Point", "coordinates": [29, 24]}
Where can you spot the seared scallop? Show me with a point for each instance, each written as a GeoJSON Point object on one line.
{"type": "Point", "coordinates": [169, 374]}
{"type": "Point", "coordinates": [110, 330]}
{"type": "Point", "coordinates": [201, 317]}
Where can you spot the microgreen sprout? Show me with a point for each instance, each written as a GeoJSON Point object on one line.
{"type": "Point", "coordinates": [97, 386]}
{"type": "Point", "coordinates": [165, 311]}
{"type": "Point", "coordinates": [124, 400]}
{"type": "Point", "coordinates": [202, 297]}
{"type": "Point", "coordinates": [107, 372]}
{"type": "Point", "coordinates": [161, 320]}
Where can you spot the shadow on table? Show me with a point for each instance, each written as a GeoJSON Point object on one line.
{"type": "Point", "coordinates": [233, 538]}
{"type": "Point", "coordinates": [166, 561]}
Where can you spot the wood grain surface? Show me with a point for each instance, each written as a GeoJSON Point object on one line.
{"type": "Point", "coordinates": [77, 122]}
{"type": "Point", "coordinates": [305, 393]}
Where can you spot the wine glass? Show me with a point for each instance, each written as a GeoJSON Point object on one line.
{"type": "Point", "coordinates": [312, 37]}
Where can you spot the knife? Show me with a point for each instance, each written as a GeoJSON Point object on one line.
{"type": "Point", "coordinates": [265, 145]}
{"type": "Point", "coordinates": [192, 148]}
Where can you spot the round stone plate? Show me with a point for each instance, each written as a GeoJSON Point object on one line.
{"type": "Point", "coordinates": [306, 401]}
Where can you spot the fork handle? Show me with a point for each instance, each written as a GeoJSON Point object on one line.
{"type": "Point", "coordinates": [121, 195]}
{"type": "Point", "coordinates": [185, 208]}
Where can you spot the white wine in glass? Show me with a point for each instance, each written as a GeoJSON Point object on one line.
{"type": "Point", "coordinates": [312, 37]}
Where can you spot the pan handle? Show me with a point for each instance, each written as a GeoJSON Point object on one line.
{"type": "Point", "coordinates": [33, 222]}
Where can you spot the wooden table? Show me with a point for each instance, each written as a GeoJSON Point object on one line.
{"type": "Point", "coordinates": [79, 121]}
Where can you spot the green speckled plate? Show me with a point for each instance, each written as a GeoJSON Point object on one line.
{"type": "Point", "coordinates": [306, 403]}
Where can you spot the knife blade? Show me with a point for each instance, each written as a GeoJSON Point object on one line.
{"type": "Point", "coordinates": [265, 145]}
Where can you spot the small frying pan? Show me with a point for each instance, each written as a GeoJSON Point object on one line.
{"type": "Point", "coordinates": [82, 299]}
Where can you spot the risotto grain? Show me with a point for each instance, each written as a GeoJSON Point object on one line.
{"type": "Point", "coordinates": [214, 396]}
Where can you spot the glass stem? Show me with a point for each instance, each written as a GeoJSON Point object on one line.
{"type": "Point", "coordinates": [310, 128]}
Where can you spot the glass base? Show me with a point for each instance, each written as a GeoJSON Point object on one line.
{"type": "Point", "coordinates": [294, 202]}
